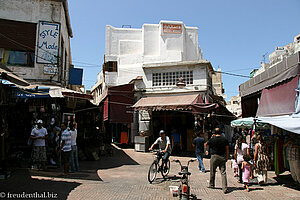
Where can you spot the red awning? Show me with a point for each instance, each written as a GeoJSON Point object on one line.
{"type": "Point", "coordinates": [118, 103]}
{"type": "Point", "coordinates": [279, 100]}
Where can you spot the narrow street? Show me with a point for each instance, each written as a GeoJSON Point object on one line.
{"type": "Point", "coordinates": [124, 176]}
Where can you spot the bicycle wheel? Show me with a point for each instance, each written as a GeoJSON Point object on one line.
{"type": "Point", "coordinates": [165, 171]}
{"type": "Point", "coordinates": [152, 172]}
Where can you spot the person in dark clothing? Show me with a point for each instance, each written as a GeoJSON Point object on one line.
{"type": "Point", "coordinates": [219, 147]}
{"type": "Point", "coordinates": [198, 143]}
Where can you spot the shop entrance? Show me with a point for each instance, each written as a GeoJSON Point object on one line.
{"type": "Point", "coordinates": [175, 121]}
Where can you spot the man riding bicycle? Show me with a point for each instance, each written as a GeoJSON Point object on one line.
{"type": "Point", "coordinates": [165, 145]}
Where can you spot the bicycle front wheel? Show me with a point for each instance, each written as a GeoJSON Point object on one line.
{"type": "Point", "coordinates": [165, 171]}
{"type": "Point", "coordinates": [152, 172]}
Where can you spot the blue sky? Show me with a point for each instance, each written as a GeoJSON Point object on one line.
{"type": "Point", "coordinates": [233, 34]}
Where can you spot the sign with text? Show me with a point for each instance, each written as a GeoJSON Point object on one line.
{"type": "Point", "coordinates": [50, 69]}
{"type": "Point", "coordinates": [48, 42]}
{"type": "Point", "coordinates": [172, 28]}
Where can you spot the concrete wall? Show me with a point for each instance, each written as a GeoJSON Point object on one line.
{"type": "Point", "coordinates": [33, 11]}
{"type": "Point", "coordinates": [132, 48]}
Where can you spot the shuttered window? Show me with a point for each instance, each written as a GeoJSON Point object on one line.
{"type": "Point", "coordinates": [17, 43]}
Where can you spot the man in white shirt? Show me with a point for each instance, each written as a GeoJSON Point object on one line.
{"type": "Point", "coordinates": [39, 135]}
{"type": "Point", "coordinates": [164, 144]}
{"type": "Point", "coordinates": [74, 164]}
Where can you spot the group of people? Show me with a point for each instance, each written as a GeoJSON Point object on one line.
{"type": "Point", "coordinates": [66, 149]}
{"type": "Point", "coordinates": [219, 150]}
{"type": "Point", "coordinates": [245, 163]}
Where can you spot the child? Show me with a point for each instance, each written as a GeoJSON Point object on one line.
{"type": "Point", "coordinates": [234, 165]}
{"type": "Point", "coordinates": [247, 171]}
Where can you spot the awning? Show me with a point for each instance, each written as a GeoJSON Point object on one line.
{"type": "Point", "coordinates": [171, 102]}
{"type": "Point", "coordinates": [6, 74]}
{"type": "Point", "coordinates": [118, 104]}
{"type": "Point", "coordinates": [192, 102]}
{"type": "Point", "coordinates": [279, 100]}
{"type": "Point", "coordinates": [287, 122]}
{"type": "Point", "coordinates": [247, 123]}
{"type": "Point", "coordinates": [288, 68]}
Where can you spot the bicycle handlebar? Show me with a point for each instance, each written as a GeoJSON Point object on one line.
{"type": "Point", "coordinates": [178, 161]}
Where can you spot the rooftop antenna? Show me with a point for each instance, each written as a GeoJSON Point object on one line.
{"type": "Point", "coordinates": [264, 56]}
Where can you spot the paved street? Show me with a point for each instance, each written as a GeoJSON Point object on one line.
{"type": "Point", "coordinates": [124, 176]}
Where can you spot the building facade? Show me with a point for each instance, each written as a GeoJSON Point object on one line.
{"type": "Point", "coordinates": [35, 40]}
{"type": "Point", "coordinates": [234, 105]}
{"type": "Point", "coordinates": [165, 64]}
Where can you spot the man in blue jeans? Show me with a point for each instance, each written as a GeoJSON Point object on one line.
{"type": "Point", "coordinates": [164, 144]}
{"type": "Point", "coordinates": [198, 143]}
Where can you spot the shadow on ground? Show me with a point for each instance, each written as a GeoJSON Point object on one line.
{"type": "Point", "coordinates": [88, 169]}
{"type": "Point", "coordinates": [287, 181]}
{"type": "Point", "coordinates": [21, 181]}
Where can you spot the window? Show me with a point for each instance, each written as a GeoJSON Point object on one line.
{"type": "Point", "coordinates": [171, 78]}
{"type": "Point", "coordinates": [235, 102]}
{"type": "Point", "coordinates": [17, 43]}
{"type": "Point", "coordinates": [18, 58]}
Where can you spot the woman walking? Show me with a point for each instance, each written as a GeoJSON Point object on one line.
{"type": "Point", "coordinates": [261, 161]}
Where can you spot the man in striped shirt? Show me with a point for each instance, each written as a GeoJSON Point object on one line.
{"type": "Point", "coordinates": [65, 148]}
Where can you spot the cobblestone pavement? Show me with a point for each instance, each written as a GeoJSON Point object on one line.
{"type": "Point", "coordinates": [124, 176]}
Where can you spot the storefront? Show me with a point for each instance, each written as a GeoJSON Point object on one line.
{"type": "Point", "coordinates": [181, 113]}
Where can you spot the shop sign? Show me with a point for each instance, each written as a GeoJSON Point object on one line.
{"type": "Point", "coordinates": [172, 28]}
{"type": "Point", "coordinates": [50, 69]}
{"type": "Point", "coordinates": [48, 42]}
{"type": "Point", "coordinates": [145, 116]}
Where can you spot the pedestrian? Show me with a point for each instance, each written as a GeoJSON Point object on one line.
{"type": "Point", "coordinates": [293, 156]}
{"type": "Point", "coordinates": [74, 164]}
{"type": "Point", "coordinates": [234, 165]}
{"type": "Point", "coordinates": [241, 149]}
{"type": "Point", "coordinates": [176, 142]}
{"type": "Point", "coordinates": [65, 148]}
{"type": "Point", "coordinates": [198, 143]}
{"type": "Point", "coordinates": [219, 154]}
{"type": "Point", "coordinates": [261, 161]}
{"type": "Point", "coordinates": [39, 135]}
{"type": "Point", "coordinates": [247, 171]}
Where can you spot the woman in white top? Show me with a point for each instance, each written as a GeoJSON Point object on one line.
{"type": "Point", "coordinates": [241, 149]}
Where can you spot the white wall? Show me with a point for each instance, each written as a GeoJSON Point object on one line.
{"type": "Point", "coordinates": [132, 48]}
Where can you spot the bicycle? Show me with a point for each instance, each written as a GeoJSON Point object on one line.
{"type": "Point", "coordinates": [158, 166]}
{"type": "Point", "coordinates": [184, 188]}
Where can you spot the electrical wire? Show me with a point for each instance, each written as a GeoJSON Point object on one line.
{"type": "Point", "coordinates": [231, 74]}
{"type": "Point", "coordinates": [25, 47]}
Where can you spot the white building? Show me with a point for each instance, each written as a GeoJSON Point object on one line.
{"type": "Point", "coordinates": [165, 64]}
{"type": "Point", "coordinates": [234, 105]}
{"type": "Point", "coordinates": [35, 40]}
{"type": "Point", "coordinates": [158, 54]}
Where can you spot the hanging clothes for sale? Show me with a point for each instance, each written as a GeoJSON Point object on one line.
{"type": "Point", "coordinates": [279, 163]}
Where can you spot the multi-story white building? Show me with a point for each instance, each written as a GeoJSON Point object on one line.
{"type": "Point", "coordinates": [35, 40]}
{"type": "Point", "coordinates": [165, 64]}
{"type": "Point", "coordinates": [234, 105]}
{"type": "Point", "coordinates": [158, 55]}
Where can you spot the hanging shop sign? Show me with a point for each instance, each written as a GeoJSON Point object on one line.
{"type": "Point", "coordinates": [48, 42]}
{"type": "Point", "coordinates": [30, 93]}
{"type": "Point", "coordinates": [172, 28]}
